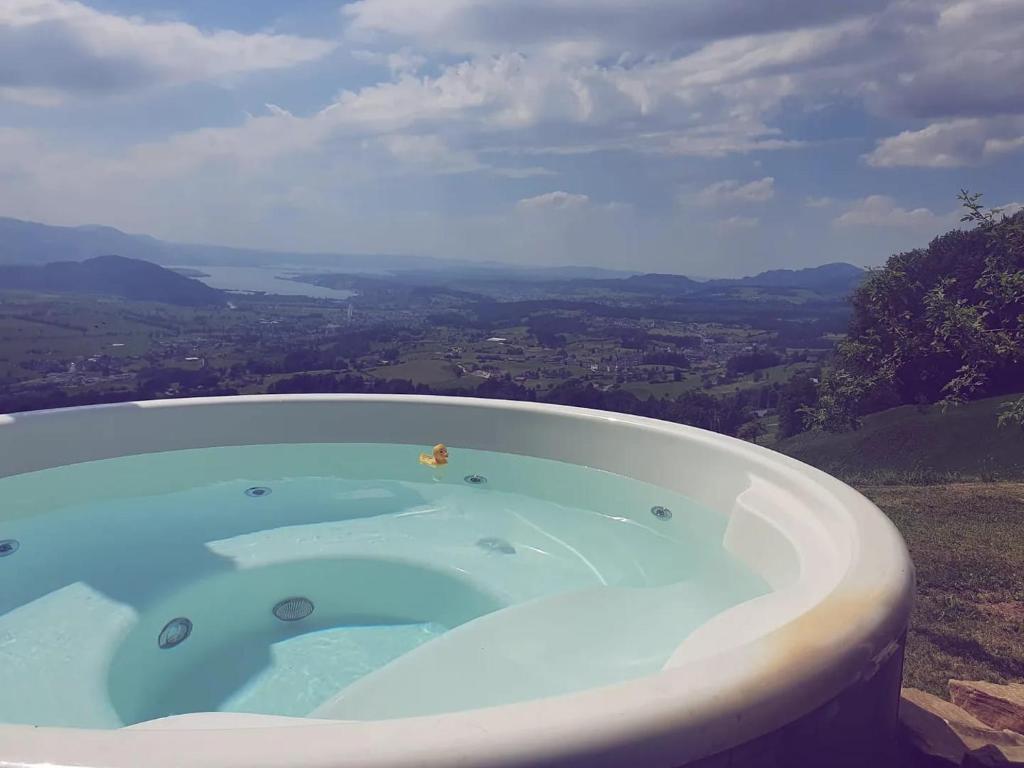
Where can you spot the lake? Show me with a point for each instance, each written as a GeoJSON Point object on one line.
{"type": "Point", "coordinates": [268, 279]}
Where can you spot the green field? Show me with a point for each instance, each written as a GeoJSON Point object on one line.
{"type": "Point", "coordinates": [919, 445]}
{"type": "Point", "coordinates": [672, 389]}
{"type": "Point", "coordinates": [439, 374]}
{"type": "Point", "coordinates": [777, 374]}
{"type": "Point", "coordinates": [35, 329]}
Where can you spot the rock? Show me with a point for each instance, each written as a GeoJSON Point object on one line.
{"type": "Point", "coordinates": [929, 722]}
{"type": "Point", "coordinates": [992, 755]}
{"type": "Point", "coordinates": [941, 729]}
{"type": "Point", "coordinates": [998, 706]}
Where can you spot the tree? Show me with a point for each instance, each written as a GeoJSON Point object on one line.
{"type": "Point", "coordinates": [939, 324]}
{"type": "Point", "coordinates": [991, 333]}
{"type": "Point", "coordinates": [751, 430]}
{"type": "Point", "coordinates": [798, 394]}
{"type": "Point", "coordinates": [1012, 414]}
{"type": "Point", "coordinates": [838, 406]}
{"type": "Point", "coordinates": [748, 362]}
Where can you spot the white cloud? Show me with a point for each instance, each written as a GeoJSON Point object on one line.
{"type": "Point", "coordinates": [951, 58]}
{"type": "Point", "coordinates": [883, 211]}
{"type": "Point", "coordinates": [1009, 209]}
{"type": "Point", "coordinates": [532, 67]}
{"type": "Point", "coordinates": [400, 62]}
{"type": "Point", "coordinates": [429, 151]}
{"type": "Point", "coordinates": [473, 102]}
{"type": "Point", "coordinates": [278, 111]}
{"type": "Point", "coordinates": [951, 144]}
{"type": "Point", "coordinates": [569, 201]}
{"type": "Point", "coordinates": [50, 48]}
{"type": "Point", "coordinates": [589, 28]}
{"type": "Point", "coordinates": [927, 58]}
{"type": "Point", "coordinates": [712, 101]}
{"type": "Point", "coordinates": [724, 144]}
{"type": "Point", "coordinates": [521, 172]}
{"type": "Point", "coordinates": [497, 87]}
{"type": "Point", "coordinates": [732, 191]}
{"type": "Point", "coordinates": [431, 154]}
{"type": "Point", "coordinates": [554, 201]}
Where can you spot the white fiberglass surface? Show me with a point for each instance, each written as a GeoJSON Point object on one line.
{"type": "Point", "coordinates": [425, 592]}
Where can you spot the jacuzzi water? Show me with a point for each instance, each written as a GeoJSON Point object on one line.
{"type": "Point", "coordinates": [429, 593]}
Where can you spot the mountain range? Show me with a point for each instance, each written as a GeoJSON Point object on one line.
{"type": "Point", "coordinates": [31, 243]}
{"type": "Point", "coordinates": [836, 279]}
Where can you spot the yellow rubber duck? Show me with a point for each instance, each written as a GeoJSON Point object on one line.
{"type": "Point", "coordinates": [438, 456]}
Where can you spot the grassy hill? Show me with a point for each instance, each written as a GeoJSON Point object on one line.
{"type": "Point", "coordinates": [111, 276]}
{"type": "Point", "coordinates": [918, 445]}
{"type": "Point", "coordinates": [963, 536]}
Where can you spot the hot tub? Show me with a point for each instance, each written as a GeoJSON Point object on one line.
{"type": "Point", "coordinates": [279, 581]}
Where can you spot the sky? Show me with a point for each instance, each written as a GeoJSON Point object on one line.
{"type": "Point", "coordinates": [701, 137]}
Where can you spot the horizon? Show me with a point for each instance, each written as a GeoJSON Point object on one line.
{"type": "Point", "coordinates": [429, 261]}
{"type": "Point", "coordinates": [683, 138]}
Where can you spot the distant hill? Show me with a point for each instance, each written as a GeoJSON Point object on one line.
{"type": "Point", "coordinates": [26, 242]}
{"type": "Point", "coordinates": [828, 280]}
{"type": "Point", "coordinates": [29, 242]}
{"type": "Point", "coordinates": [112, 276]}
{"type": "Point", "coordinates": [906, 444]}
{"type": "Point", "coordinates": [660, 283]}
{"type": "Point", "coordinates": [835, 278]}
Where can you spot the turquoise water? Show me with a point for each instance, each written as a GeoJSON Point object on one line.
{"type": "Point", "coordinates": [429, 593]}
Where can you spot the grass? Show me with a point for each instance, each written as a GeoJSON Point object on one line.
{"type": "Point", "coordinates": [33, 330]}
{"type": "Point", "coordinates": [645, 389]}
{"type": "Point", "coordinates": [908, 445]}
{"type": "Point", "coordinates": [777, 374]}
{"type": "Point", "coordinates": [966, 538]}
{"type": "Point", "coordinates": [967, 545]}
{"type": "Point", "coordinates": [423, 370]}
{"type": "Point", "coordinates": [438, 374]}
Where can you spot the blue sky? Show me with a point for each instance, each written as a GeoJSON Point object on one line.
{"type": "Point", "coordinates": [706, 137]}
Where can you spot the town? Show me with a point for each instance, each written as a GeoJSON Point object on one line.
{"type": "Point", "coordinates": [96, 348]}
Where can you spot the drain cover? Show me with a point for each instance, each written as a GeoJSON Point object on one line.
{"type": "Point", "coordinates": [8, 547]}
{"type": "Point", "coordinates": [475, 479]}
{"type": "Point", "coordinates": [257, 491]}
{"type": "Point", "coordinates": [293, 608]}
{"type": "Point", "coordinates": [662, 513]}
{"type": "Point", "coordinates": [175, 632]}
